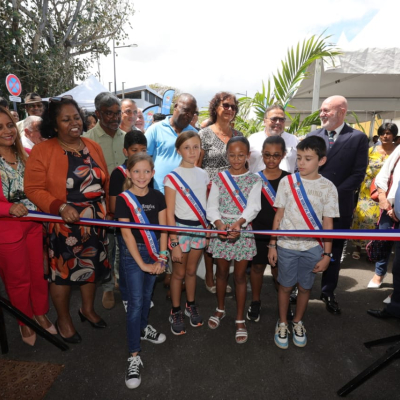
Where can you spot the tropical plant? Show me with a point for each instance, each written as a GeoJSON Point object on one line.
{"type": "Point", "coordinates": [283, 85]}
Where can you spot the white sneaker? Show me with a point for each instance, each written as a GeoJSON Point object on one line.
{"type": "Point", "coordinates": [388, 299]}
{"type": "Point", "coordinates": [132, 376]}
{"type": "Point", "coordinates": [150, 334]}
{"type": "Point", "coordinates": [281, 337]}
{"type": "Point", "coordinates": [299, 334]}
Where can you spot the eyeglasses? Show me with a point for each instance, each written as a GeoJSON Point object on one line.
{"type": "Point", "coordinates": [275, 156]}
{"type": "Point", "coordinates": [277, 119]}
{"type": "Point", "coordinates": [130, 112]}
{"type": "Point", "coordinates": [227, 106]}
{"type": "Point", "coordinates": [60, 98]}
{"type": "Point", "coordinates": [110, 114]}
{"type": "Point", "coordinates": [36, 105]}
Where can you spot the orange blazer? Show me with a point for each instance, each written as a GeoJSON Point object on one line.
{"type": "Point", "coordinates": [45, 181]}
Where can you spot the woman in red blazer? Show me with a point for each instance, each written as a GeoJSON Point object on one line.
{"type": "Point", "coordinates": [21, 242]}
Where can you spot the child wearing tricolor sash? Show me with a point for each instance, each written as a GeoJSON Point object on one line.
{"type": "Point", "coordinates": [143, 252]}
{"type": "Point", "coordinates": [304, 201]}
{"type": "Point", "coordinates": [234, 202]}
{"type": "Point", "coordinates": [273, 151]}
{"type": "Point", "coordinates": [185, 195]}
{"type": "Point", "coordinates": [134, 142]}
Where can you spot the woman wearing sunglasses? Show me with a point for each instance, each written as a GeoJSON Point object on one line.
{"type": "Point", "coordinates": [222, 110]}
{"type": "Point", "coordinates": [21, 243]}
{"type": "Point", "coordinates": [67, 176]}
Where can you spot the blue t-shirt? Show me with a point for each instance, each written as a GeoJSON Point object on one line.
{"type": "Point", "coordinates": [161, 139]}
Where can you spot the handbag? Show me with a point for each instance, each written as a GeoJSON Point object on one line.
{"type": "Point", "coordinates": [378, 249]}
{"type": "Point", "coordinates": [373, 190]}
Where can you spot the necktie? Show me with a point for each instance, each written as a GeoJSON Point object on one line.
{"type": "Point", "coordinates": [331, 141]}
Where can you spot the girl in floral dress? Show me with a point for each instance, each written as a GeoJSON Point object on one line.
{"type": "Point", "coordinates": [234, 201]}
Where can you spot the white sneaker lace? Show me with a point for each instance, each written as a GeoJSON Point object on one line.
{"type": "Point", "coordinates": [299, 329]}
{"type": "Point", "coordinates": [282, 330]}
{"type": "Point", "coordinates": [150, 332]}
{"type": "Point", "coordinates": [135, 362]}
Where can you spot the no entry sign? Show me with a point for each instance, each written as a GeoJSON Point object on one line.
{"type": "Point", "coordinates": [13, 85]}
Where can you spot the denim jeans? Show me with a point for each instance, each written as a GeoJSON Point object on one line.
{"type": "Point", "coordinates": [139, 287]}
{"type": "Point", "coordinates": [122, 284]}
{"type": "Point", "coordinates": [385, 222]}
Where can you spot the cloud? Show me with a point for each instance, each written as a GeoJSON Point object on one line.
{"type": "Point", "coordinates": [208, 46]}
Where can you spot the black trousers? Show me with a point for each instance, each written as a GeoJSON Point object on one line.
{"type": "Point", "coordinates": [394, 306]}
{"type": "Point", "coordinates": [331, 276]}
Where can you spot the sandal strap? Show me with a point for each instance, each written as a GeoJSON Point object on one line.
{"type": "Point", "coordinates": [218, 310]}
{"type": "Point", "coordinates": [240, 322]}
{"type": "Point", "coordinates": [215, 319]}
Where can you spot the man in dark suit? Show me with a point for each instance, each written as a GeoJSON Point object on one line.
{"type": "Point", "coordinates": [347, 160]}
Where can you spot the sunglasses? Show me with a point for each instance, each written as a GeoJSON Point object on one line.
{"type": "Point", "coordinates": [275, 156]}
{"type": "Point", "coordinates": [277, 119]}
{"type": "Point", "coordinates": [227, 106]}
{"type": "Point", "coordinates": [53, 99]}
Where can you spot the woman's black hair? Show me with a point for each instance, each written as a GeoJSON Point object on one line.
{"type": "Point", "coordinates": [240, 139]}
{"type": "Point", "coordinates": [275, 140]}
{"type": "Point", "coordinates": [388, 126]}
{"type": "Point", "coordinates": [49, 124]}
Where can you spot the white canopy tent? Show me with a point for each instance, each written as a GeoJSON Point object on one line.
{"type": "Point", "coordinates": [85, 93]}
{"type": "Point", "coordinates": [367, 74]}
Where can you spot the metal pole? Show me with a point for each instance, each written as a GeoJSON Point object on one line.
{"type": "Point", "coordinates": [317, 83]}
{"type": "Point", "coordinates": [123, 90]}
{"type": "Point", "coordinates": [115, 73]}
{"type": "Point", "coordinates": [109, 86]}
{"type": "Point", "coordinates": [372, 126]}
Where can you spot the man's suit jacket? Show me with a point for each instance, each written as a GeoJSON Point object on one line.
{"type": "Point", "coordinates": [346, 164]}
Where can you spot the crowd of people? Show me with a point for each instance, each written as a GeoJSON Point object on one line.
{"type": "Point", "coordinates": [103, 166]}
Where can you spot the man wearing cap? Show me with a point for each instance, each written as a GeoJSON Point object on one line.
{"type": "Point", "coordinates": [33, 106]}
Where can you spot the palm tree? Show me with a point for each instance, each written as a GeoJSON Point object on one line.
{"type": "Point", "coordinates": [285, 85]}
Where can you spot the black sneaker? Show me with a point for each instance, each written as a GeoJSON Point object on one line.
{"type": "Point", "coordinates": [177, 324]}
{"type": "Point", "coordinates": [132, 376]}
{"type": "Point", "coordinates": [293, 295]}
{"type": "Point", "coordinates": [195, 318]}
{"type": "Point", "coordinates": [254, 311]}
{"type": "Point", "coordinates": [150, 334]}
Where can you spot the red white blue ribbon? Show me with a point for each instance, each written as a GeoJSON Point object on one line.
{"type": "Point", "coordinates": [267, 190]}
{"type": "Point", "coordinates": [140, 217]}
{"type": "Point", "coordinates": [189, 196]}
{"type": "Point", "coordinates": [234, 190]}
{"type": "Point", "coordinates": [123, 169]}
{"type": "Point", "coordinates": [351, 234]}
{"type": "Point", "coordinates": [303, 203]}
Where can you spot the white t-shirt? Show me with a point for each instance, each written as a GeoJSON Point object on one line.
{"type": "Point", "coordinates": [323, 197]}
{"type": "Point", "coordinates": [197, 179]}
{"type": "Point", "coordinates": [256, 162]}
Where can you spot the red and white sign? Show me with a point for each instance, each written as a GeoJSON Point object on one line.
{"type": "Point", "coordinates": [13, 85]}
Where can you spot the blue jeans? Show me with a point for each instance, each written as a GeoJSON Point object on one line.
{"type": "Point", "coordinates": [122, 283]}
{"type": "Point", "coordinates": [139, 287]}
{"type": "Point", "coordinates": [385, 222]}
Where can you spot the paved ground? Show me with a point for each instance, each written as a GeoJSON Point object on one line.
{"type": "Point", "coordinates": [207, 364]}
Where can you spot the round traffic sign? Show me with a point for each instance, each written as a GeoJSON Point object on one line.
{"type": "Point", "coordinates": [13, 85]}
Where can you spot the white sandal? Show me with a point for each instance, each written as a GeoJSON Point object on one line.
{"type": "Point", "coordinates": [241, 333]}
{"type": "Point", "coordinates": [215, 319]}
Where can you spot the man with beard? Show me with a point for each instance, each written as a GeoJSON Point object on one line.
{"type": "Point", "coordinates": [274, 121]}
{"type": "Point", "coordinates": [111, 139]}
{"type": "Point", "coordinates": [161, 138]}
{"type": "Point", "coordinates": [347, 160]}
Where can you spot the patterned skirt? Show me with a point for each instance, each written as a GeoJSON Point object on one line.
{"type": "Point", "coordinates": [242, 248]}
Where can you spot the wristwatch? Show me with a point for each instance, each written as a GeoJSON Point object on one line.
{"type": "Point", "coordinates": [330, 255]}
{"type": "Point", "coordinates": [174, 244]}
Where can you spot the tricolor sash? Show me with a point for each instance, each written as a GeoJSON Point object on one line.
{"type": "Point", "coordinates": [188, 195]}
{"type": "Point", "coordinates": [140, 217]}
{"type": "Point", "coordinates": [123, 169]}
{"type": "Point", "coordinates": [267, 190]}
{"type": "Point", "coordinates": [304, 204]}
{"type": "Point", "coordinates": [234, 190]}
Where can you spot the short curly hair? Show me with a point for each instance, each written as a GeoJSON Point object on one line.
{"type": "Point", "coordinates": [216, 101]}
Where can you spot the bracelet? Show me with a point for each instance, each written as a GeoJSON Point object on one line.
{"type": "Point", "coordinates": [272, 246]}
{"type": "Point", "coordinates": [61, 209]}
{"type": "Point", "coordinates": [162, 257]}
{"type": "Point", "coordinates": [165, 252]}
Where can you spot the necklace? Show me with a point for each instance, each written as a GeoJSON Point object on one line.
{"type": "Point", "coordinates": [76, 151]}
{"type": "Point", "coordinates": [9, 162]}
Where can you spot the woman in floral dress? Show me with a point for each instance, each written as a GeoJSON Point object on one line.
{"type": "Point", "coordinates": [367, 213]}
{"type": "Point", "coordinates": [67, 176]}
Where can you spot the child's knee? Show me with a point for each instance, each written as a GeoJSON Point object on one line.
{"type": "Point", "coordinates": [178, 275]}
{"type": "Point", "coordinates": [284, 289]}
{"type": "Point", "coordinates": [240, 279]}
{"type": "Point", "coordinates": [302, 290]}
{"type": "Point", "coordinates": [258, 268]}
